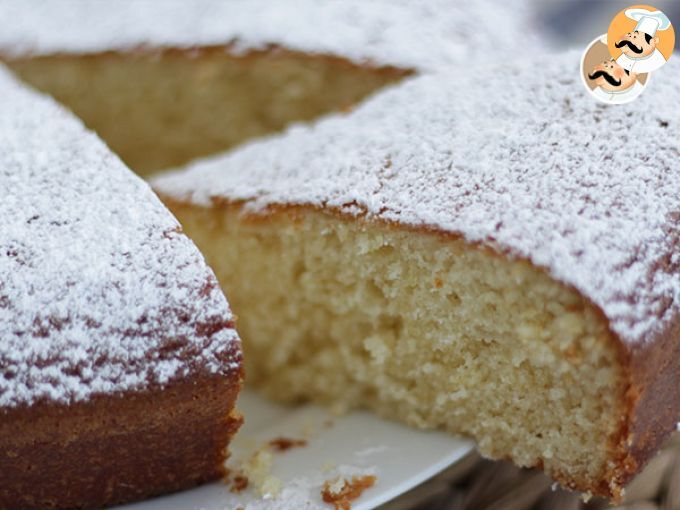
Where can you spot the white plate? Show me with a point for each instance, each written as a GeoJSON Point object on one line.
{"type": "Point", "coordinates": [354, 443]}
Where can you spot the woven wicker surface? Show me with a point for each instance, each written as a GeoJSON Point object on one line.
{"type": "Point", "coordinates": [478, 484]}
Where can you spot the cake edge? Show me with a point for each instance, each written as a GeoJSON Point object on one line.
{"type": "Point", "coordinates": [119, 448]}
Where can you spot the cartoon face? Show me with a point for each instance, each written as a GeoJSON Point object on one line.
{"type": "Point", "coordinates": [637, 44]}
{"type": "Point", "coordinates": [609, 75]}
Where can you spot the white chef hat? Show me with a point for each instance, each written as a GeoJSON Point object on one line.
{"type": "Point", "coordinates": [649, 21]}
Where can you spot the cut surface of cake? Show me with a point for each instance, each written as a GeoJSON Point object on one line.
{"type": "Point", "coordinates": [497, 258]}
{"type": "Point", "coordinates": [119, 362]}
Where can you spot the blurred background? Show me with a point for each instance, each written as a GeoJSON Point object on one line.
{"type": "Point", "coordinates": [575, 23]}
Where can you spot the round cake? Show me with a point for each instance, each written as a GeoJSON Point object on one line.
{"type": "Point", "coordinates": [466, 241]}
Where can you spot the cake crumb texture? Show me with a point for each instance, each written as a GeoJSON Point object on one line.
{"type": "Point", "coordinates": [350, 315]}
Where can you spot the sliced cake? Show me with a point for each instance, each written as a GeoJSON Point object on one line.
{"type": "Point", "coordinates": [480, 248]}
{"type": "Point", "coordinates": [119, 363]}
{"type": "Point", "coordinates": [494, 254]}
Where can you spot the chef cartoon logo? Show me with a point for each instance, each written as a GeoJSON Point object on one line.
{"type": "Point", "coordinates": [641, 38]}
{"type": "Point", "coordinates": [606, 79]}
{"type": "Point", "coordinates": [617, 66]}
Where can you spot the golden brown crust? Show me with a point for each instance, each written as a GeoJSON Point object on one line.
{"type": "Point", "coordinates": [649, 412]}
{"type": "Point", "coordinates": [653, 401]}
{"type": "Point", "coordinates": [113, 449]}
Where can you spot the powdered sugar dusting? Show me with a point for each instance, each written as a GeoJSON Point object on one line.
{"type": "Point", "coordinates": [407, 33]}
{"type": "Point", "coordinates": [517, 156]}
{"type": "Point", "coordinates": [99, 291]}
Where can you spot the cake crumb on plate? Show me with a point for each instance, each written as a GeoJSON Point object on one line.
{"type": "Point", "coordinates": [341, 492]}
{"type": "Point", "coordinates": [281, 444]}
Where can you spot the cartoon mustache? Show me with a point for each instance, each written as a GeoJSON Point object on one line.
{"type": "Point", "coordinates": [626, 42]}
{"type": "Point", "coordinates": [610, 79]}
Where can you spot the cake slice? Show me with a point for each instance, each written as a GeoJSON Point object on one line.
{"type": "Point", "coordinates": [119, 363]}
{"type": "Point", "coordinates": [494, 254]}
